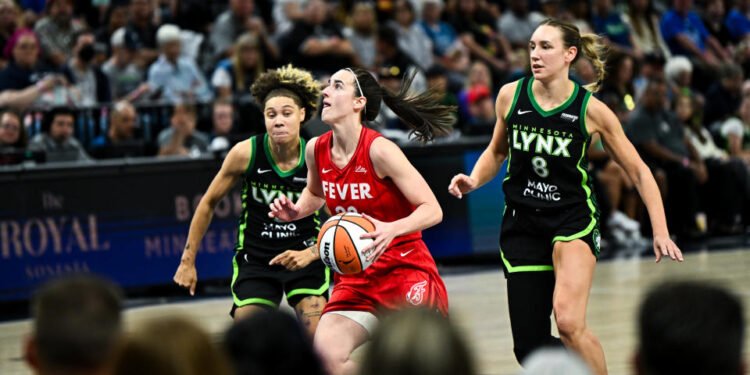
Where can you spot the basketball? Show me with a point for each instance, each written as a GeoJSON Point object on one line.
{"type": "Point", "coordinates": [339, 244]}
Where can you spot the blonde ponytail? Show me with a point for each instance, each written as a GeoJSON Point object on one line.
{"type": "Point", "coordinates": [594, 50]}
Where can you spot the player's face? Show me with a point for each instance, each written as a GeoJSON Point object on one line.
{"type": "Point", "coordinates": [340, 97]}
{"type": "Point", "coordinates": [283, 118]}
{"type": "Point", "coordinates": [548, 53]}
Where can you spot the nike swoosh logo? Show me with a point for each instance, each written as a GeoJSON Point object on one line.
{"type": "Point", "coordinates": [405, 253]}
{"type": "Point", "coordinates": [261, 171]}
{"type": "Point", "coordinates": [520, 112]}
{"type": "Point", "coordinates": [327, 170]}
{"type": "Point", "coordinates": [346, 263]}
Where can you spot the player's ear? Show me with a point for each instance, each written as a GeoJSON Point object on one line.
{"type": "Point", "coordinates": [302, 114]}
{"type": "Point", "coordinates": [571, 54]}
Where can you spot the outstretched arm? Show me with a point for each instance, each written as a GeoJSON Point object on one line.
{"type": "Point", "coordinates": [492, 158]}
{"type": "Point", "coordinates": [601, 119]}
{"type": "Point", "coordinates": [233, 167]}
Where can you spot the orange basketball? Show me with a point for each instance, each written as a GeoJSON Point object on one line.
{"type": "Point", "coordinates": [339, 244]}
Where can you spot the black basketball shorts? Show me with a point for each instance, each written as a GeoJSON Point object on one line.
{"type": "Point", "coordinates": [527, 237]}
{"type": "Point", "coordinates": [254, 282]}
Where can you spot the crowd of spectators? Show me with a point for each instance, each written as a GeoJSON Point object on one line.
{"type": "Point", "coordinates": [675, 77]}
{"type": "Point", "coordinates": [683, 327]}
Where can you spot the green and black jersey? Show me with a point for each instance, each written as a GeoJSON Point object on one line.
{"type": "Point", "coordinates": [263, 182]}
{"type": "Point", "coordinates": [547, 162]}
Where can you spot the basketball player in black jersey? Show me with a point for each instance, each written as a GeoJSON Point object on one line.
{"type": "Point", "coordinates": [549, 240]}
{"type": "Point", "coordinates": [269, 165]}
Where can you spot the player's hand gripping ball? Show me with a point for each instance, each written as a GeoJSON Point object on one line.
{"type": "Point", "coordinates": [339, 245]}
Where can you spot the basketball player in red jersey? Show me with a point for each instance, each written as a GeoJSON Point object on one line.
{"type": "Point", "coordinates": [355, 169]}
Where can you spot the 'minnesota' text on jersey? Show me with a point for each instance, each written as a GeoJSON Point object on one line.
{"type": "Point", "coordinates": [547, 162]}
{"type": "Point", "coordinates": [263, 182]}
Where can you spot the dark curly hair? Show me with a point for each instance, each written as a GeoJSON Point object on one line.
{"type": "Point", "coordinates": [297, 84]}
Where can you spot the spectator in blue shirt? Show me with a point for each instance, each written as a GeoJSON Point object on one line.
{"type": "Point", "coordinates": [737, 22]}
{"type": "Point", "coordinates": [685, 34]}
{"type": "Point", "coordinates": [177, 77]}
{"type": "Point", "coordinates": [610, 24]}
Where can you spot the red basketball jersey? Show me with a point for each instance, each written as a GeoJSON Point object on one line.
{"type": "Point", "coordinates": [357, 188]}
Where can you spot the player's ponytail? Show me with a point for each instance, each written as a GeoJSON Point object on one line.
{"type": "Point", "coordinates": [420, 112]}
{"type": "Point", "coordinates": [588, 44]}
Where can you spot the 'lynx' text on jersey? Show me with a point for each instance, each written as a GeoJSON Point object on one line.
{"type": "Point", "coordinates": [547, 163]}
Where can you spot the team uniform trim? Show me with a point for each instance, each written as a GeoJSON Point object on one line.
{"type": "Point", "coordinates": [315, 292]}
{"type": "Point", "coordinates": [555, 110]}
{"type": "Point", "coordinates": [243, 217]}
{"type": "Point", "coordinates": [275, 166]}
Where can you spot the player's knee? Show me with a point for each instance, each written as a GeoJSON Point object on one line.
{"type": "Point", "coordinates": [332, 355]}
{"type": "Point", "coordinates": [568, 325]}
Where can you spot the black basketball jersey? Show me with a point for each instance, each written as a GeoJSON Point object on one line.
{"type": "Point", "coordinates": [547, 162]}
{"type": "Point", "coordinates": [263, 182]}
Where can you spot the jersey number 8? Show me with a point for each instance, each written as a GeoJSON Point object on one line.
{"type": "Point", "coordinates": [540, 166]}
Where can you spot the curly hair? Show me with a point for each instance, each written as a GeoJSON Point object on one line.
{"type": "Point", "coordinates": [297, 84]}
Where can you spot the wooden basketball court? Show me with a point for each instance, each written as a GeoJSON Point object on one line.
{"type": "Point", "coordinates": [479, 307]}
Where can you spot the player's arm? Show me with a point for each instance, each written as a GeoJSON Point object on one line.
{"type": "Point", "coordinates": [390, 162]}
{"type": "Point", "coordinates": [601, 119]}
{"type": "Point", "coordinates": [311, 198]}
{"type": "Point", "coordinates": [492, 158]}
{"type": "Point", "coordinates": [231, 170]}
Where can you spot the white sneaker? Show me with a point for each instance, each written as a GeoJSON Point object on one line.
{"type": "Point", "coordinates": [620, 220]}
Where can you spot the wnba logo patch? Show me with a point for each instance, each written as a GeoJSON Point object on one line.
{"type": "Point", "coordinates": [416, 293]}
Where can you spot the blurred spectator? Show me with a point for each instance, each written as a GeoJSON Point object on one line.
{"type": "Point", "coordinates": [518, 23]}
{"type": "Point", "coordinates": [393, 63]}
{"type": "Point", "coordinates": [56, 32]}
{"type": "Point", "coordinates": [170, 346]}
{"type": "Point", "coordinates": [481, 110]}
{"type": "Point", "coordinates": [269, 343]}
{"type": "Point", "coordinates": [679, 72]}
{"type": "Point", "coordinates": [610, 24]}
{"type": "Point", "coordinates": [437, 80]}
{"type": "Point", "coordinates": [23, 81]}
{"type": "Point", "coordinates": [726, 191]}
{"type": "Point", "coordinates": [286, 13]}
{"type": "Point", "coordinates": [141, 24]}
{"type": "Point", "coordinates": [361, 33]}
{"type": "Point", "coordinates": [116, 18]}
{"type": "Point", "coordinates": [56, 139]}
{"type": "Point", "coordinates": [235, 75]}
{"type": "Point", "coordinates": [223, 119]}
{"type": "Point", "coordinates": [643, 23]}
{"type": "Point", "coordinates": [181, 138]}
{"type": "Point", "coordinates": [476, 30]}
{"type": "Point", "coordinates": [686, 35]}
{"type": "Point", "coordinates": [76, 327]}
{"type": "Point", "coordinates": [689, 327]}
{"type": "Point", "coordinates": [417, 342]}
{"type": "Point", "coordinates": [554, 361]}
{"type": "Point", "coordinates": [737, 21]}
{"type": "Point", "coordinates": [652, 67]}
{"type": "Point", "coordinates": [479, 74]}
{"type": "Point", "coordinates": [411, 38]}
{"type": "Point", "coordinates": [446, 46]}
{"type": "Point", "coordinates": [580, 15]}
{"type": "Point", "coordinates": [736, 132]}
{"type": "Point", "coordinates": [316, 42]}
{"type": "Point", "coordinates": [12, 133]}
{"type": "Point", "coordinates": [660, 138]}
{"type": "Point", "coordinates": [232, 23]}
{"type": "Point", "coordinates": [125, 78]}
{"type": "Point", "coordinates": [724, 96]}
{"type": "Point", "coordinates": [81, 72]}
{"type": "Point", "coordinates": [617, 91]}
{"type": "Point", "coordinates": [119, 140]}
{"type": "Point", "coordinates": [8, 24]}
{"type": "Point", "coordinates": [177, 77]}
{"type": "Point", "coordinates": [713, 18]}
{"type": "Point", "coordinates": [551, 8]}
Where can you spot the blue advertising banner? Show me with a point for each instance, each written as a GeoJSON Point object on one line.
{"type": "Point", "coordinates": [128, 220]}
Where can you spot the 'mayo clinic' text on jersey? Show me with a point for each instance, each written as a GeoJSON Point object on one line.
{"type": "Point", "coordinates": [547, 162]}
{"type": "Point", "coordinates": [263, 182]}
